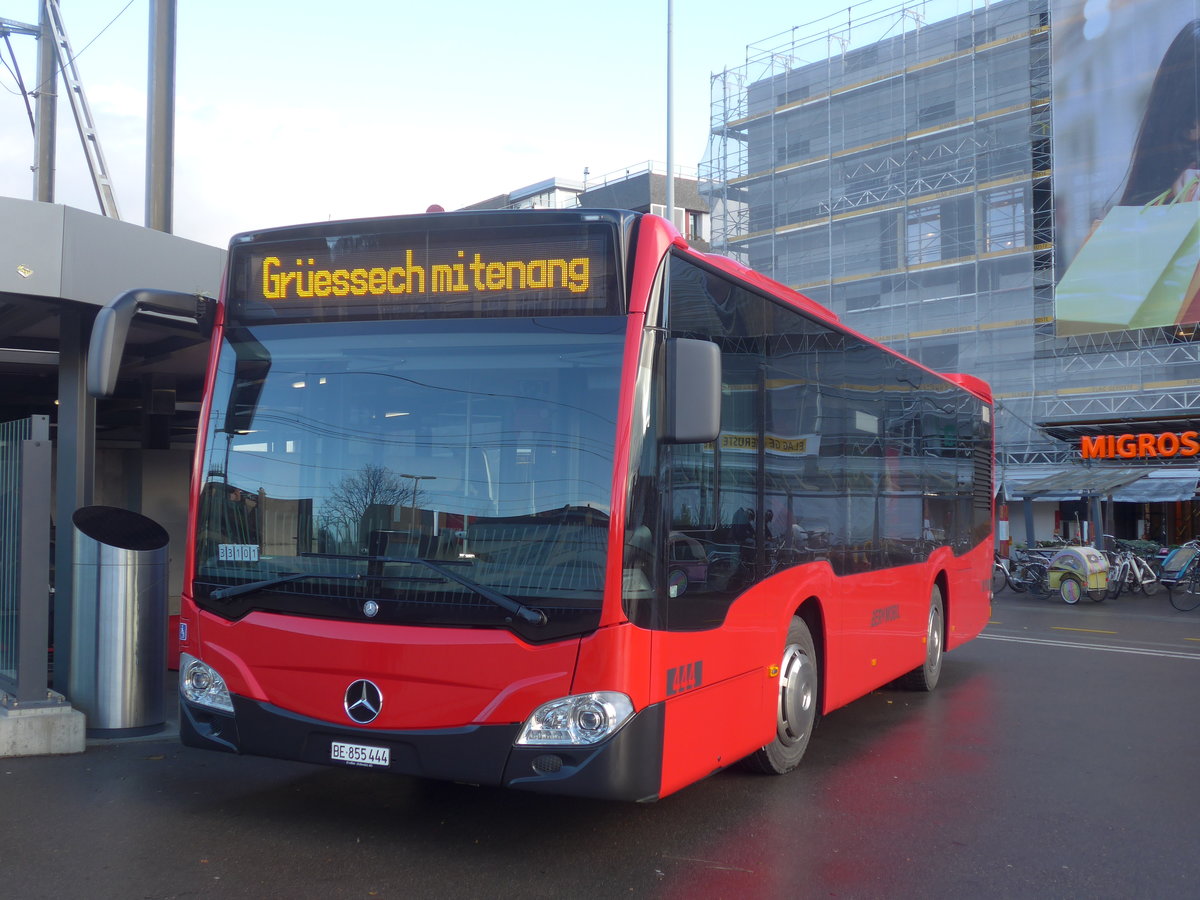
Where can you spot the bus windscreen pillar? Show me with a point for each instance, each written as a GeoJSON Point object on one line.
{"type": "Point", "coordinates": [119, 626]}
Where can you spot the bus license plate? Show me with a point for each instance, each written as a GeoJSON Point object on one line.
{"type": "Point", "coordinates": [359, 755]}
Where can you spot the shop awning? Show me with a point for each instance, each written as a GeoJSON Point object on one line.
{"type": "Point", "coordinates": [1160, 486]}
{"type": "Point", "coordinates": [1076, 482]}
{"type": "Point", "coordinates": [1124, 485]}
{"type": "Point", "coordinates": [1011, 481]}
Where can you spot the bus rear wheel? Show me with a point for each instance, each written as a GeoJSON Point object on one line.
{"type": "Point", "coordinates": [796, 711]}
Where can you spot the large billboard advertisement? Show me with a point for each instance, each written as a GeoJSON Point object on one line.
{"type": "Point", "coordinates": [1126, 163]}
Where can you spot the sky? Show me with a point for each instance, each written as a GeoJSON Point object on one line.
{"type": "Point", "coordinates": [293, 111]}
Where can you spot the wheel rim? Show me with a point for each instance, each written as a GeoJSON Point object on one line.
{"type": "Point", "coordinates": [1069, 590]}
{"type": "Point", "coordinates": [797, 696]}
{"type": "Point", "coordinates": [933, 642]}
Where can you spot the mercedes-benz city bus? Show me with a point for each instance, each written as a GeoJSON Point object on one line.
{"type": "Point", "coordinates": [550, 500]}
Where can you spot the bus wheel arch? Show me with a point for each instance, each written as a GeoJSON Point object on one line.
{"type": "Point", "coordinates": [812, 614]}
{"type": "Point", "coordinates": [799, 694]}
{"type": "Point", "coordinates": [942, 583]}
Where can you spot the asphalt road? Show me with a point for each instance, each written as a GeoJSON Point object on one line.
{"type": "Point", "coordinates": [1058, 758]}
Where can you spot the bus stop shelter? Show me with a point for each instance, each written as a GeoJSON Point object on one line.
{"type": "Point", "coordinates": [60, 266]}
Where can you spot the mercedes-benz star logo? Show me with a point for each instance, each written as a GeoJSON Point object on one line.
{"type": "Point", "coordinates": [363, 701]}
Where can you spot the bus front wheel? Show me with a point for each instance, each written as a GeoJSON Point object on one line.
{"type": "Point", "coordinates": [796, 709]}
{"type": "Point", "coordinates": [925, 676]}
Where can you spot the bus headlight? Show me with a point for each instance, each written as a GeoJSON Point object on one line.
{"type": "Point", "coordinates": [202, 684]}
{"type": "Point", "coordinates": [576, 721]}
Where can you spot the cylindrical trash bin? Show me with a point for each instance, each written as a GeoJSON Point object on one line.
{"type": "Point", "coordinates": [119, 621]}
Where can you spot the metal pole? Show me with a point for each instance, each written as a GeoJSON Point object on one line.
{"type": "Point", "coordinates": [33, 618]}
{"type": "Point", "coordinates": [416, 480]}
{"type": "Point", "coordinates": [670, 117]}
{"type": "Point", "coordinates": [45, 129]}
{"type": "Point", "coordinates": [75, 473]}
{"type": "Point", "coordinates": [160, 117]}
{"type": "Point", "coordinates": [1097, 517]}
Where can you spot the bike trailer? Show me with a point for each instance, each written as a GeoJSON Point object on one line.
{"type": "Point", "coordinates": [1085, 567]}
{"type": "Point", "coordinates": [1175, 562]}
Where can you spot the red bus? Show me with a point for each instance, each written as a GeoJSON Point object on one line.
{"type": "Point", "coordinates": [550, 500]}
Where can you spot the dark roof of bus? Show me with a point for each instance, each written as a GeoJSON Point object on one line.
{"type": "Point", "coordinates": [622, 218]}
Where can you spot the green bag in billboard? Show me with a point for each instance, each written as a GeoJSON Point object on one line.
{"type": "Point", "coordinates": [1133, 272]}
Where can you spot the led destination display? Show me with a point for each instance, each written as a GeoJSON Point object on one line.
{"type": "Point", "coordinates": [425, 274]}
{"type": "Point", "coordinates": [306, 278]}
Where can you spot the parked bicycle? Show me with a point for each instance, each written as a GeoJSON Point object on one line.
{"type": "Point", "coordinates": [1180, 573]}
{"type": "Point", "coordinates": [1023, 571]}
{"type": "Point", "coordinates": [1127, 571]}
{"type": "Point", "coordinates": [999, 572]}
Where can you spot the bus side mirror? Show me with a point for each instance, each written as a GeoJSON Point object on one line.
{"type": "Point", "coordinates": [693, 392]}
{"type": "Point", "coordinates": [111, 327]}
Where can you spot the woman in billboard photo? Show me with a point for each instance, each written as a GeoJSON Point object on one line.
{"type": "Point", "coordinates": [1137, 267]}
{"type": "Point", "coordinates": [1165, 153]}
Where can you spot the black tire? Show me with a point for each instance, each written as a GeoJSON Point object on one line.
{"type": "Point", "coordinates": [925, 676]}
{"type": "Point", "coordinates": [1115, 584]}
{"type": "Point", "coordinates": [1015, 575]}
{"type": "Point", "coordinates": [1039, 580]}
{"type": "Point", "coordinates": [1130, 583]}
{"type": "Point", "coordinates": [1185, 593]}
{"type": "Point", "coordinates": [797, 710]}
{"type": "Point", "coordinates": [999, 578]}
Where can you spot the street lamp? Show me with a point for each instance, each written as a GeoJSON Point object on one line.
{"type": "Point", "coordinates": [416, 480]}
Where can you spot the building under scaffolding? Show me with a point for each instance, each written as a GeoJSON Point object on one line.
{"type": "Point", "coordinates": [900, 170]}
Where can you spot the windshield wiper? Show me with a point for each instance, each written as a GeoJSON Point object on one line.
{"type": "Point", "coordinates": [520, 610]}
{"type": "Point", "coordinates": [236, 590]}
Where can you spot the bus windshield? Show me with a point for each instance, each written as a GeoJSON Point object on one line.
{"type": "Point", "coordinates": [420, 472]}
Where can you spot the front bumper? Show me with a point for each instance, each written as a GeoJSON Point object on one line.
{"type": "Point", "coordinates": [627, 766]}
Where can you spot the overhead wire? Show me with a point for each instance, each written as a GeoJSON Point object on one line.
{"type": "Point", "coordinates": [15, 70]}
{"type": "Point", "coordinates": [102, 30]}
{"type": "Point", "coordinates": [78, 53]}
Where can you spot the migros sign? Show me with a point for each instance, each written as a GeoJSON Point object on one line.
{"type": "Point", "coordinates": [1140, 446]}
